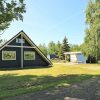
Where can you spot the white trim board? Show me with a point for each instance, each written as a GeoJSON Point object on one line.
{"type": "Point", "coordinates": [21, 52]}
{"type": "Point", "coordinates": [19, 46]}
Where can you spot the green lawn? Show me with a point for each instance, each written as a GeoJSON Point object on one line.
{"type": "Point", "coordinates": [16, 82]}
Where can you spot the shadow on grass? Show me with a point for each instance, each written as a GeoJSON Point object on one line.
{"type": "Point", "coordinates": [19, 68]}
{"type": "Point", "coordinates": [13, 85]}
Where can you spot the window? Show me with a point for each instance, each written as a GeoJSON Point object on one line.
{"type": "Point", "coordinates": [8, 55]}
{"type": "Point", "coordinates": [29, 55]}
{"type": "Point", "coordinates": [18, 40]}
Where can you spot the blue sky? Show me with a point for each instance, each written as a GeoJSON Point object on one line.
{"type": "Point", "coordinates": [51, 20]}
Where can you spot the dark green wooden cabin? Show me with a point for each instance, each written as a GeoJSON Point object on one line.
{"type": "Point", "coordinates": [20, 52]}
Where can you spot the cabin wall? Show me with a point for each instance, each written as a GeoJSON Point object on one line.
{"type": "Point", "coordinates": [77, 58]}
{"type": "Point", "coordinates": [26, 43]}
{"type": "Point", "coordinates": [81, 58]}
{"type": "Point", "coordinates": [73, 57]}
{"type": "Point", "coordinates": [39, 61]}
{"type": "Point", "coordinates": [11, 63]}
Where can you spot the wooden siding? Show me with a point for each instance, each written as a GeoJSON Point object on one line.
{"type": "Point", "coordinates": [11, 63]}
{"type": "Point", "coordinates": [14, 42]}
{"type": "Point", "coordinates": [39, 61]}
{"type": "Point", "coordinates": [26, 43]}
{"type": "Point", "coordinates": [19, 44]}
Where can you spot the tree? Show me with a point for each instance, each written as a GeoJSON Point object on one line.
{"type": "Point", "coordinates": [75, 47]}
{"type": "Point", "coordinates": [10, 10]}
{"type": "Point", "coordinates": [92, 38]}
{"type": "Point", "coordinates": [60, 53]}
{"type": "Point", "coordinates": [43, 48]}
{"type": "Point", "coordinates": [52, 48]}
{"type": "Point", "coordinates": [65, 45]}
{"type": "Point", "coordinates": [58, 46]}
{"type": "Point", "coordinates": [2, 42]}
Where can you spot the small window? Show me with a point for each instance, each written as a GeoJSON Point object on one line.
{"type": "Point", "coordinates": [29, 55]}
{"type": "Point", "coordinates": [18, 40]}
{"type": "Point", "coordinates": [8, 55]}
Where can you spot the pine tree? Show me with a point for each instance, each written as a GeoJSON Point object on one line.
{"type": "Point", "coordinates": [65, 45]}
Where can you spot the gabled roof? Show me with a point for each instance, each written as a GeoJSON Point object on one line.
{"type": "Point", "coordinates": [30, 42]}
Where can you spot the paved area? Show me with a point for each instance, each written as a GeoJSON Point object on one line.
{"type": "Point", "coordinates": [88, 90]}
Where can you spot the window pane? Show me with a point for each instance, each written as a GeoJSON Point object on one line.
{"type": "Point", "coordinates": [8, 55]}
{"type": "Point", "coordinates": [18, 40]}
{"type": "Point", "coordinates": [29, 55]}
{"type": "Point", "coordinates": [22, 41]}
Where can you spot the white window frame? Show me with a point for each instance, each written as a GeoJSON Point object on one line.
{"type": "Point", "coordinates": [29, 52]}
{"type": "Point", "coordinates": [8, 51]}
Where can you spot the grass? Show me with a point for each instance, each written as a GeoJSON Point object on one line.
{"type": "Point", "coordinates": [16, 82]}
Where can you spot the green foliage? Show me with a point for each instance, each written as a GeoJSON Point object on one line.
{"type": "Point", "coordinates": [59, 50]}
{"type": "Point", "coordinates": [65, 45]}
{"type": "Point", "coordinates": [43, 48]}
{"type": "Point", "coordinates": [52, 48]}
{"type": "Point", "coordinates": [64, 48]}
{"type": "Point", "coordinates": [55, 48]}
{"type": "Point", "coordinates": [60, 53]}
{"type": "Point", "coordinates": [75, 47]}
{"type": "Point", "coordinates": [92, 39]}
{"type": "Point", "coordinates": [2, 41]}
{"type": "Point", "coordinates": [10, 10]}
{"type": "Point", "coordinates": [58, 44]}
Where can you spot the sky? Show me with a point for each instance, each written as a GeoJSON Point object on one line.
{"type": "Point", "coordinates": [51, 20]}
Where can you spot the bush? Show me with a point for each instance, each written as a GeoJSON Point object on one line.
{"type": "Point", "coordinates": [91, 59]}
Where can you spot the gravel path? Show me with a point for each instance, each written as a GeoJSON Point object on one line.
{"type": "Point", "coordinates": [88, 90]}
